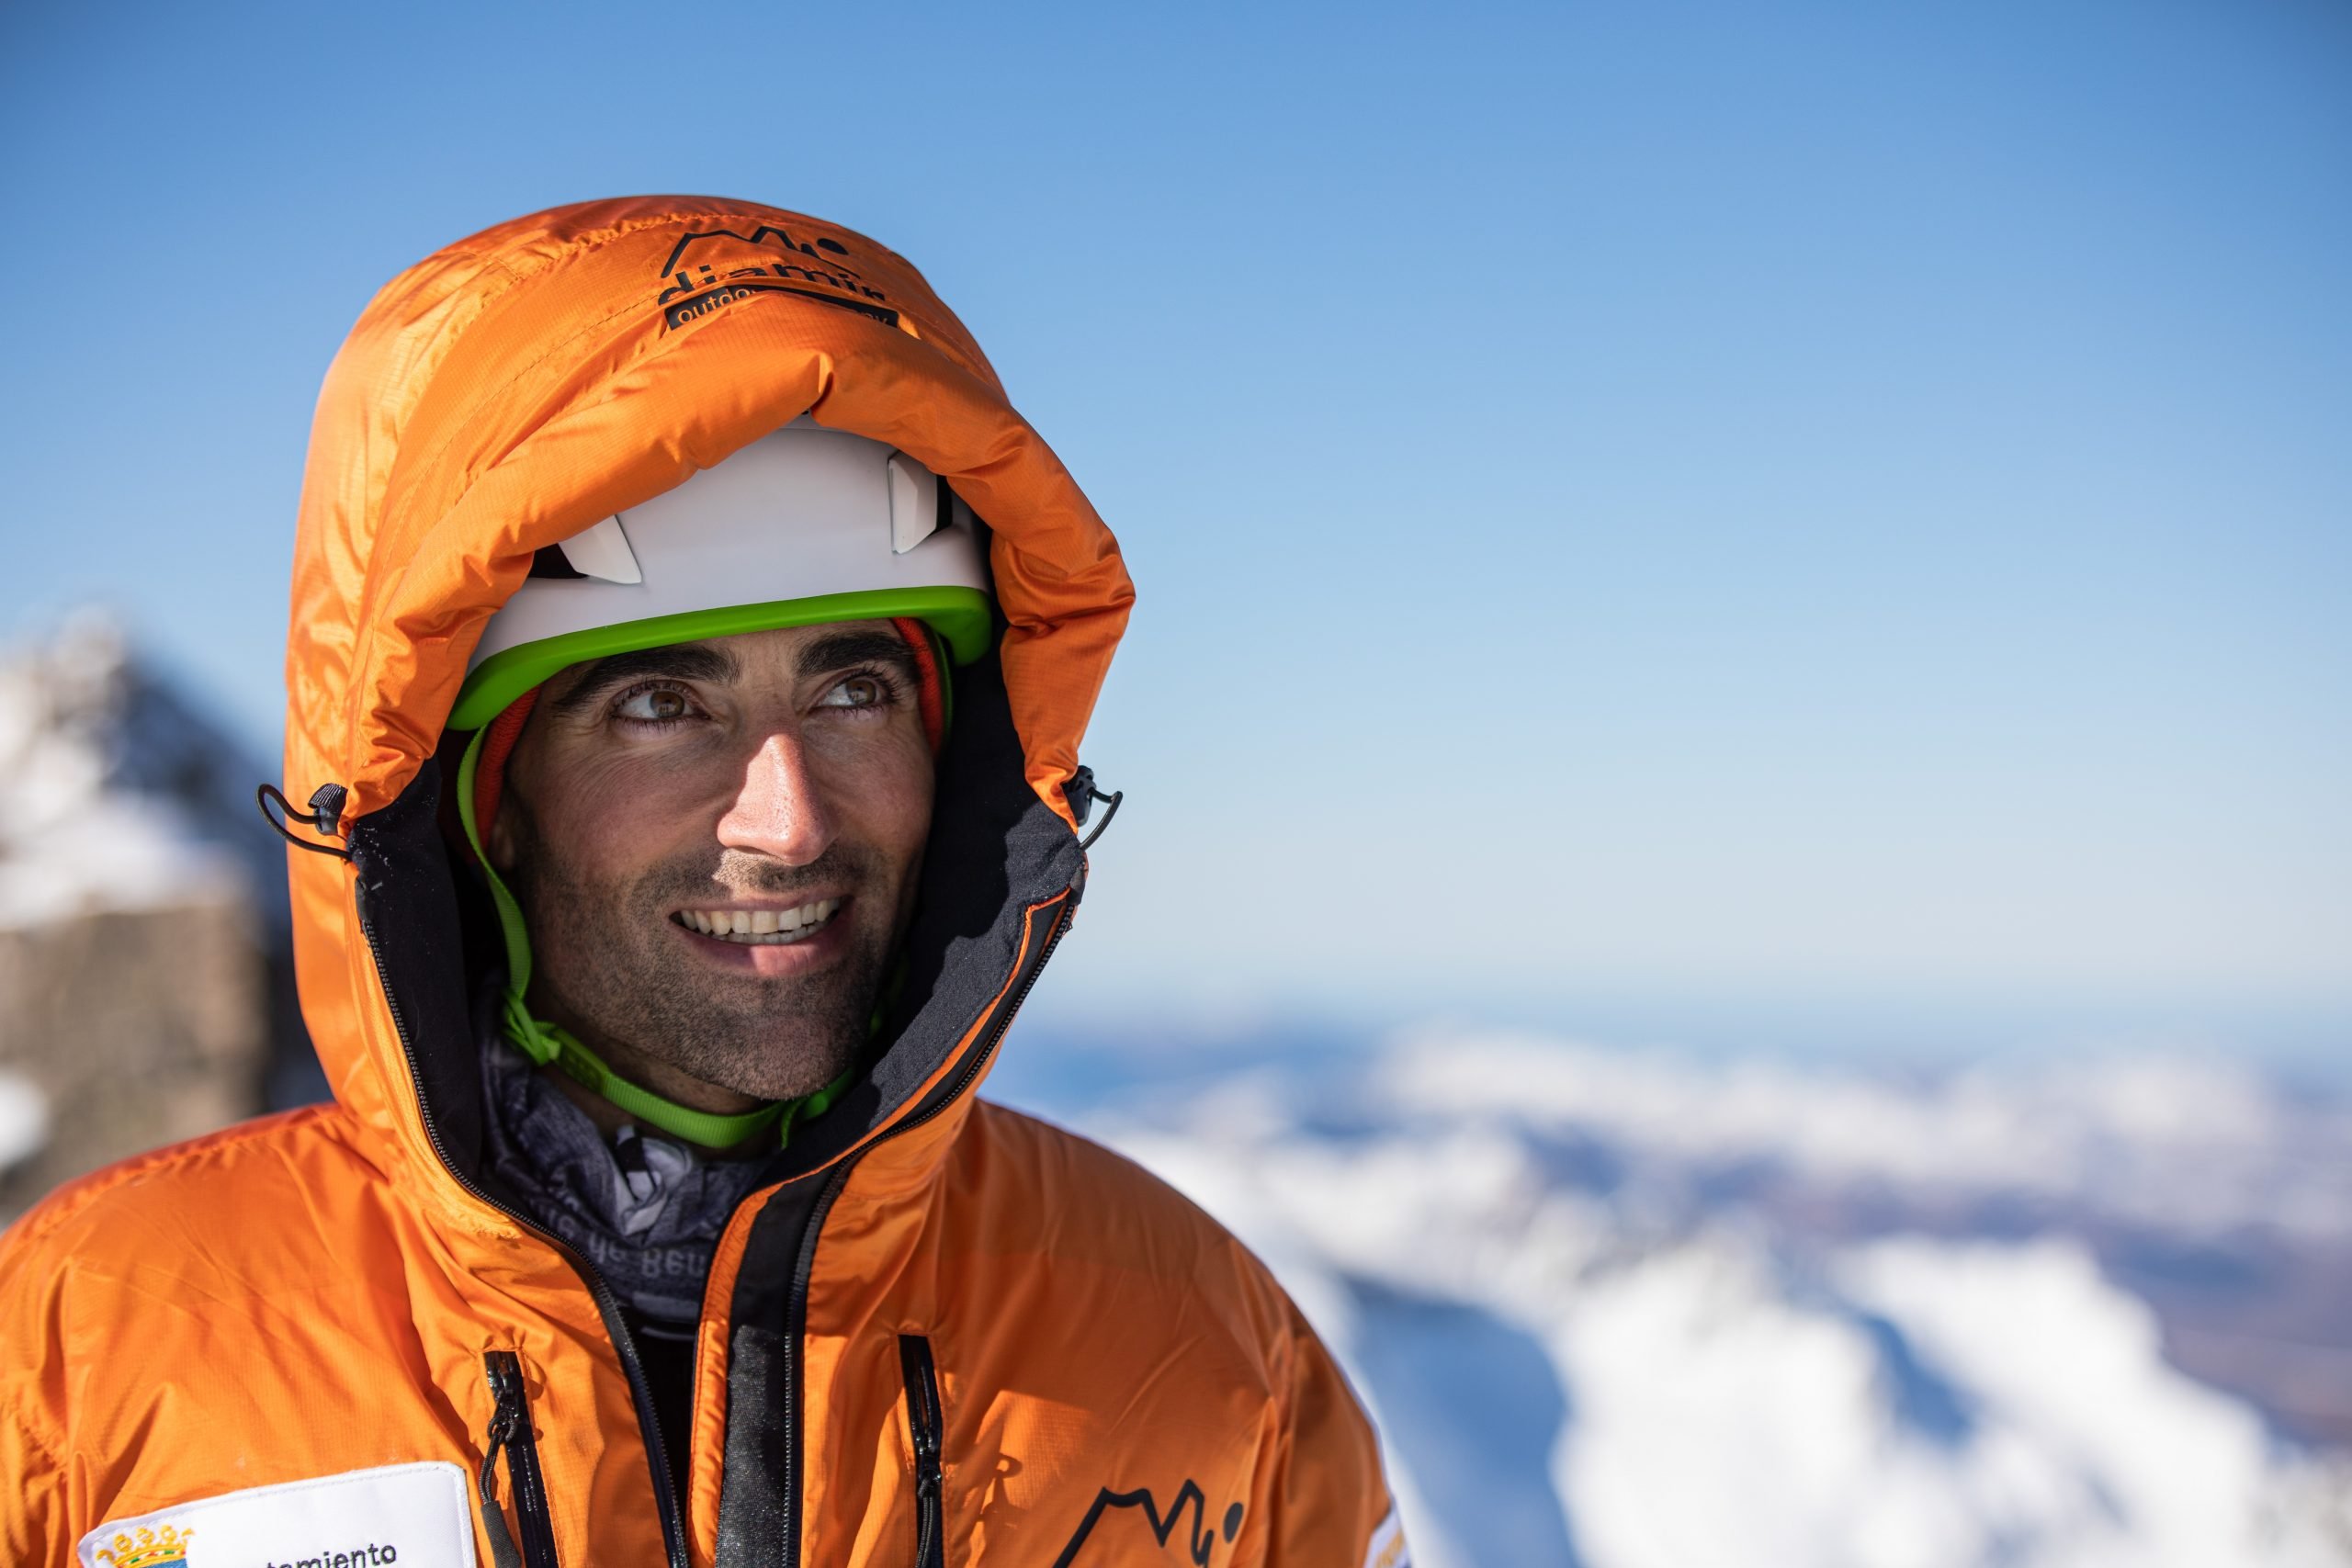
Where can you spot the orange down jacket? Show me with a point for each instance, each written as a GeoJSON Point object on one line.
{"type": "Point", "coordinates": [945, 1333]}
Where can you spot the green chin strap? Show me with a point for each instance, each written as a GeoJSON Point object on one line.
{"type": "Point", "coordinates": [545, 1044]}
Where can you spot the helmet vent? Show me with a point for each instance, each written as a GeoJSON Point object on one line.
{"type": "Point", "coordinates": [603, 552]}
{"type": "Point", "coordinates": [914, 503]}
{"type": "Point", "coordinates": [547, 561]}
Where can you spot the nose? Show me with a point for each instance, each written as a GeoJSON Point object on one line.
{"type": "Point", "coordinates": [776, 811]}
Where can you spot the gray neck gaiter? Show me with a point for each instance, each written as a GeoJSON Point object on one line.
{"type": "Point", "coordinates": [646, 1211]}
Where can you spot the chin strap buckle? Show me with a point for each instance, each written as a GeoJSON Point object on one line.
{"type": "Point", "coordinates": [324, 817]}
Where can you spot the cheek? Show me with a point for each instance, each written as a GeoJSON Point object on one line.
{"type": "Point", "coordinates": [883, 794]}
{"type": "Point", "coordinates": [614, 816]}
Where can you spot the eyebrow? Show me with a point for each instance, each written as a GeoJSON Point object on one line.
{"type": "Point", "coordinates": [863, 647]}
{"type": "Point", "coordinates": [701, 661]}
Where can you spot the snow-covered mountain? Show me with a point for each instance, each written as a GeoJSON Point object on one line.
{"type": "Point", "coordinates": [120, 799]}
{"type": "Point", "coordinates": [1622, 1310]}
{"type": "Point", "coordinates": [115, 793]}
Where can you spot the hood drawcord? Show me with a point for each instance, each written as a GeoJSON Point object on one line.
{"type": "Point", "coordinates": [326, 816]}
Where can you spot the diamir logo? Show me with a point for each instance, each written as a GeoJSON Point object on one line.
{"type": "Point", "coordinates": [708, 269]}
{"type": "Point", "coordinates": [1190, 1508]}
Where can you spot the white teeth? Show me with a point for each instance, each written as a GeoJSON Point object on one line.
{"type": "Point", "coordinates": [761, 927]}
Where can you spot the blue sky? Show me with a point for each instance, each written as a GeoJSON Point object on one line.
{"type": "Point", "coordinates": [1808, 506]}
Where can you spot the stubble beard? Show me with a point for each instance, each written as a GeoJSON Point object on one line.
{"type": "Point", "coordinates": [602, 962]}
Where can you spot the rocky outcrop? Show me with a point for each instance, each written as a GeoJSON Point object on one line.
{"type": "Point", "coordinates": [136, 1027]}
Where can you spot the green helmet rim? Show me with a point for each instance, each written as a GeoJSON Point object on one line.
{"type": "Point", "coordinates": [964, 618]}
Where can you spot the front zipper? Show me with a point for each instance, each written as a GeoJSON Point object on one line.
{"type": "Point", "coordinates": [510, 1431]}
{"type": "Point", "coordinates": [924, 1431]}
{"type": "Point", "coordinates": [996, 1037]}
{"type": "Point", "coordinates": [608, 1307]}
{"type": "Point", "coordinates": [797, 1305]}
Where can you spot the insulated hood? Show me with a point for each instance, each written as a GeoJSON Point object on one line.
{"type": "Point", "coordinates": [518, 387]}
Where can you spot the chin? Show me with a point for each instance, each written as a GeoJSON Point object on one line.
{"type": "Point", "coordinates": [781, 1062]}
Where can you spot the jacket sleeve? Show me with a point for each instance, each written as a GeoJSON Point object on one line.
{"type": "Point", "coordinates": [33, 1523]}
{"type": "Point", "coordinates": [1324, 1501]}
{"type": "Point", "coordinates": [32, 1510]}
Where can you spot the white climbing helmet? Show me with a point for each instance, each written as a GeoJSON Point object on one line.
{"type": "Point", "coordinates": [804, 526]}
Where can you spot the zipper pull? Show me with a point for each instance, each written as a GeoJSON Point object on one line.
{"type": "Point", "coordinates": [493, 1518]}
{"type": "Point", "coordinates": [923, 1428]}
{"type": "Point", "coordinates": [509, 1433]}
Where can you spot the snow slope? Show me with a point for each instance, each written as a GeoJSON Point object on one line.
{"type": "Point", "coordinates": [1618, 1312]}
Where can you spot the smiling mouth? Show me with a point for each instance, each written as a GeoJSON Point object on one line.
{"type": "Point", "coordinates": [761, 928]}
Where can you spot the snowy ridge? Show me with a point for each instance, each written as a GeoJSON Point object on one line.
{"type": "Point", "coordinates": [113, 794]}
{"type": "Point", "coordinates": [1618, 1312]}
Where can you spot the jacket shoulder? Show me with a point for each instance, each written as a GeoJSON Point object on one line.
{"type": "Point", "coordinates": [1082, 1202]}
{"type": "Point", "coordinates": [1065, 1168]}
{"type": "Point", "coordinates": [171, 1232]}
{"type": "Point", "coordinates": [1120, 1245]}
{"type": "Point", "coordinates": [181, 1203]}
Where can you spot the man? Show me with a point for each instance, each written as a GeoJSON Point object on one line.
{"type": "Point", "coordinates": [692, 801]}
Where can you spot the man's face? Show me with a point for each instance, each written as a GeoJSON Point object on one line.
{"type": "Point", "coordinates": [775, 786]}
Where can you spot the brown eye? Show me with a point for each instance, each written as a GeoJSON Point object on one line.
{"type": "Point", "coordinates": [858, 692]}
{"type": "Point", "coordinates": [655, 705]}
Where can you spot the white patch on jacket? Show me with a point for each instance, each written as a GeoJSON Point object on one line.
{"type": "Point", "coordinates": [411, 1516]}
